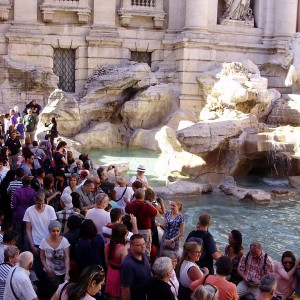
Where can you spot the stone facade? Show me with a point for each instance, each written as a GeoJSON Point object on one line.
{"type": "Point", "coordinates": [193, 33]}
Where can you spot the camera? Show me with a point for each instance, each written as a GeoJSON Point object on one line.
{"type": "Point", "coordinates": [126, 217]}
{"type": "Point", "coordinates": [159, 200]}
{"type": "Point", "coordinates": [113, 166]}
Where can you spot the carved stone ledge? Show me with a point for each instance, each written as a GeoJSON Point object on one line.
{"type": "Point", "coordinates": [5, 8]}
{"type": "Point", "coordinates": [81, 7]}
{"type": "Point", "coordinates": [157, 14]}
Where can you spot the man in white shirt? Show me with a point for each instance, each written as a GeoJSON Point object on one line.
{"type": "Point", "coordinates": [37, 218]}
{"type": "Point", "coordinates": [18, 284]}
{"type": "Point", "coordinates": [98, 214]}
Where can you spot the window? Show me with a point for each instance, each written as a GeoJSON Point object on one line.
{"type": "Point", "coordinates": [141, 57]}
{"type": "Point", "coordinates": [64, 68]}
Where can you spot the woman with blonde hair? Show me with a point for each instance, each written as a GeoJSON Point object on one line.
{"type": "Point", "coordinates": [187, 269]}
{"type": "Point", "coordinates": [205, 292]}
{"type": "Point", "coordinates": [123, 193]}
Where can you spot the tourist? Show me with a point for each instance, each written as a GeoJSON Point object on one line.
{"type": "Point", "coordinates": [117, 217]}
{"type": "Point", "coordinates": [5, 203]}
{"type": "Point", "coordinates": [59, 157]}
{"type": "Point", "coordinates": [90, 246]}
{"type": "Point", "coordinates": [36, 108]}
{"type": "Point", "coordinates": [27, 164]}
{"type": "Point", "coordinates": [67, 210]}
{"type": "Point", "coordinates": [60, 181]}
{"type": "Point", "coordinates": [123, 193]}
{"type": "Point", "coordinates": [23, 198]}
{"type": "Point", "coordinates": [143, 213]}
{"type": "Point", "coordinates": [30, 123]}
{"type": "Point", "coordinates": [37, 218]}
{"type": "Point", "coordinates": [6, 124]}
{"type": "Point", "coordinates": [187, 269]}
{"type": "Point", "coordinates": [37, 183]}
{"type": "Point", "coordinates": [3, 170]}
{"type": "Point", "coordinates": [252, 267]}
{"type": "Point", "coordinates": [86, 196]}
{"type": "Point", "coordinates": [14, 146]}
{"type": "Point", "coordinates": [98, 214]}
{"type": "Point", "coordinates": [210, 251]}
{"type": "Point", "coordinates": [174, 226]}
{"type": "Point", "coordinates": [297, 289]}
{"type": "Point", "coordinates": [11, 257]}
{"type": "Point", "coordinates": [84, 157]}
{"type": "Point", "coordinates": [140, 176]}
{"type": "Point", "coordinates": [52, 196]}
{"type": "Point", "coordinates": [46, 146]}
{"type": "Point", "coordinates": [136, 271]}
{"type": "Point", "coordinates": [285, 275]}
{"type": "Point", "coordinates": [10, 238]}
{"type": "Point", "coordinates": [267, 286]}
{"type": "Point", "coordinates": [52, 130]}
{"type": "Point", "coordinates": [173, 282]}
{"type": "Point", "coordinates": [16, 183]}
{"type": "Point", "coordinates": [115, 252]}
{"type": "Point", "coordinates": [234, 250]}
{"type": "Point", "coordinates": [72, 186]}
{"type": "Point", "coordinates": [18, 284]}
{"type": "Point", "coordinates": [227, 290]}
{"type": "Point", "coordinates": [55, 257]}
{"type": "Point", "coordinates": [106, 185]}
{"type": "Point", "coordinates": [205, 292]}
{"type": "Point", "coordinates": [4, 155]}
{"type": "Point", "coordinates": [39, 155]}
{"type": "Point", "coordinates": [158, 288]}
{"type": "Point", "coordinates": [20, 128]}
{"type": "Point", "coordinates": [88, 285]}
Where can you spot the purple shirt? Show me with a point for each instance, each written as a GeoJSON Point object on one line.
{"type": "Point", "coordinates": [22, 199]}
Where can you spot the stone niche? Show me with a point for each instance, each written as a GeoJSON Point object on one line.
{"type": "Point", "coordinates": [79, 7]}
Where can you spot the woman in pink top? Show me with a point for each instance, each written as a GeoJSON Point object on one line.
{"type": "Point", "coordinates": [115, 251]}
{"type": "Point", "coordinates": [285, 274]}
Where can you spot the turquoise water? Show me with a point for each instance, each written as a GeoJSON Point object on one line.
{"type": "Point", "coordinates": [275, 225]}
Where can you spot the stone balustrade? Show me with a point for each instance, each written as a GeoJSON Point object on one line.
{"type": "Point", "coordinates": [81, 7]}
{"type": "Point", "coordinates": [144, 8]}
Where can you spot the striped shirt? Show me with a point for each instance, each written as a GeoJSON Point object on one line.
{"type": "Point", "coordinates": [13, 186]}
{"type": "Point", "coordinates": [4, 270]}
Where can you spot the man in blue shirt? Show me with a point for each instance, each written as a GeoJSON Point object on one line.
{"type": "Point", "coordinates": [136, 271]}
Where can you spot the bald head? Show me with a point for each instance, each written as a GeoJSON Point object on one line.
{"type": "Point", "coordinates": [26, 260]}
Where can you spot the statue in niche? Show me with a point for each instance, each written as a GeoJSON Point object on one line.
{"type": "Point", "coordinates": [238, 10]}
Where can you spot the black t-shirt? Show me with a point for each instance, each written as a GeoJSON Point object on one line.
{"type": "Point", "coordinates": [208, 248]}
{"type": "Point", "coordinates": [159, 290]}
{"type": "Point", "coordinates": [13, 146]}
{"type": "Point", "coordinates": [58, 162]}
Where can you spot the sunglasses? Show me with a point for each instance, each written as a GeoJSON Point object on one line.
{"type": "Point", "coordinates": [287, 262]}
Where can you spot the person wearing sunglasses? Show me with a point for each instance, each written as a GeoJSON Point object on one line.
{"type": "Point", "coordinates": [285, 275]}
{"type": "Point", "coordinates": [88, 285]}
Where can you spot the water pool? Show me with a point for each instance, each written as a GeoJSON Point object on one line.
{"type": "Point", "coordinates": [275, 225]}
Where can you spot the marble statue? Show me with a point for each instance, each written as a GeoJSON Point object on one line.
{"type": "Point", "coordinates": [238, 10]}
{"type": "Point", "coordinates": [289, 68]}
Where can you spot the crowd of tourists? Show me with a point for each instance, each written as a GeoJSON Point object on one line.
{"type": "Point", "coordinates": [70, 231]}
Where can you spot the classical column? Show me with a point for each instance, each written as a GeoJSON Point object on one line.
{"type": "Point", "coordinates": [196, 15]}
{"type": "Point", "coordinates": [285, 18]}
{"type": "Point", "coordinates": [269, 22]}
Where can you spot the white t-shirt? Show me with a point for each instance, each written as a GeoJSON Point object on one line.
{"type": "Point", "coordinates": [128, 195]}
{"type": "Point", "coordinates": [99, 216]}
{"type": "Point", "coordinates": [3, 173]}
{"type": "Point", "coordinates": [67, 190]}
{"type": "Point", "coordinates": [39, 222]}
{"type": "Point", "coordinates": [21, 284]}
{"type": "Point", "coordinates": [55, 258]}
{"type": "Point", "coordinates": [134, 178]}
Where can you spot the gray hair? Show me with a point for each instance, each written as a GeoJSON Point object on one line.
{"type": "Point", "coordinates": [268, 283]}
{"type": "Point", "coordinates": [205, 292]}
{"type": "Point", "coordinates": [162, 266]}
{"type": "Point", "coordinates": [39, 196]}
{"type": "Point", "coordinates": [100, 197]}
{"type": "Point", "coordinates": [25, 259]}
{"type": "Point", "coordinates": [170, 254]}
{"type": "Point", "coordinates": [10, 252]}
